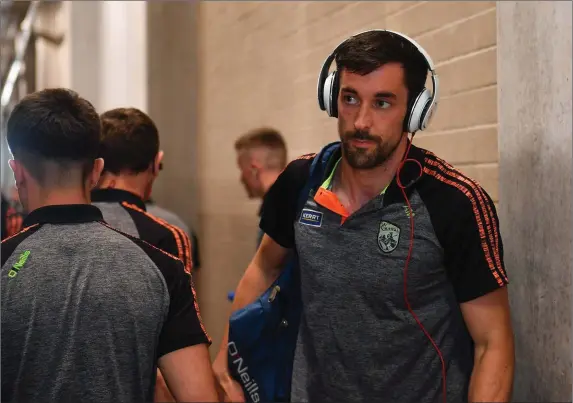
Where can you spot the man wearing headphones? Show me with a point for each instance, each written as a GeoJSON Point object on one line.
{"type": "Point", "coordinates": [401, 261]}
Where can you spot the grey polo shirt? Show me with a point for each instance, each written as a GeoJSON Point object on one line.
{"type": "Point", "coordinates": [358, 341]}
{"type": "Point", "coordinates": [87, 310]}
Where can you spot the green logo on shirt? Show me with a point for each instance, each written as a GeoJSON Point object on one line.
{"type": "Point", "coordinates": [19, 264]}
{"type": "Point", "coordinates": [407, 211]}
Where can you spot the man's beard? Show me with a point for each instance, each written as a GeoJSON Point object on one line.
{"type": "Point", "coordinates": [364, 158]}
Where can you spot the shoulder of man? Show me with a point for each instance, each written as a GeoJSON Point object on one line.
{"type": "Point", "coordinates": [162, 234]}
{"type": "Point", "coordinates": [280, 203]}
{"type": "Point", "coordinates": [451, 190]}
{"type": "Point", "coordinates": [162, 258]}
{"type": "Point", "coordinates": [10, 243]}
{"type": "Point", "coordinates": [285, 190]}
{"type": "Point", "coordinates": [298, 169]}
{"type": "Point", "coordinates": [168, 216]}
{"type": "Point", "coordinates": [464, 219]}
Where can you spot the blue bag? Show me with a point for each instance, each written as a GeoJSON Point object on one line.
{"type": "Point", "coordinates": [263, 334]}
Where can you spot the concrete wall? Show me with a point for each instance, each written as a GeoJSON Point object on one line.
{"type": "Point", "coordinates": [172, 102]}
{"type": "Point", "coordinates": [103, 55]}
{"type": "Point", "coordinates": [132, 53]}
{"type": "Point", "coordinates": [535, 190]}
{"type": "Point", "coordinates": [259, 62]}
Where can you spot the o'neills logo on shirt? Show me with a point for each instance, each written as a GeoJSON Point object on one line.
{"type": "Point", "coordinates": [249, 384]}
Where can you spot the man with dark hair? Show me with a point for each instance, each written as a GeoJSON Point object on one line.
{"type": "Point", "coordinates": [403, 284]}
{"type": "Point", "coordinates": [88, 312]}
{"type": "Point", "coordinates": [130, 149]}
{"type": "Point", "coordinates": [261, 157]}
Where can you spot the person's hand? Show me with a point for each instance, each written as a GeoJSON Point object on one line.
{"type": "Point", "coordinates": [229, 389]}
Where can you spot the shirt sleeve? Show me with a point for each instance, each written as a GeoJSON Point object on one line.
{"type": "Point", "coordinates": [178, 244]}
{"type": "Point", "coordinates": [474, 256]}
{"type": "Point", "coordinates": [278, 211]}
{"type": "Point", "coordinates": [183, 326]}
{"type": "Point", "coordinates": [195, 257]}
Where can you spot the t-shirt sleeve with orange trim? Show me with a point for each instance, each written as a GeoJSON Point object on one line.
{"type": "Point", "coordinates": [476, 255]}
{"type": "Point", "coordinates": [179, 245]}
{"type": "Point", "coordinates": [183, 326]}
{"type": "Point", "coordinates": [171, 239]}
{"type": "Point", "coordinates": [465, 220]}
{"type": "Point", "coordinates": [278, 212]}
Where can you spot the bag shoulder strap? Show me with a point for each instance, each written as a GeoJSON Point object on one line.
{"type": "Point", "coordinates": [316, 172]}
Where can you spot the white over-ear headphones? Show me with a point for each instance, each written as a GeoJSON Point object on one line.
{"type": "Point", "coordinates": [421, 110]}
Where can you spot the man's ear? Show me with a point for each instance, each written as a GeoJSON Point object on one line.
{"type": "Point", "coordinates": [256, 167]}
{"type": "Point", "coordinates": [19, 172]}
{"type": "Point", "coordinates": [96, 172]}
{"type": "Point", "coordinates": [157, 162]}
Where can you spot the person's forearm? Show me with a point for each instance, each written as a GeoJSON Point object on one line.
{"type": "Point", "coordinates": [162, 393]}
{"type": "Point", "coordinates": [253, 283]}
{"type": "Point", "coordinates": [492, 376]}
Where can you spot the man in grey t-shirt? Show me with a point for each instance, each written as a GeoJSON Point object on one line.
{"type": "Point", "coordinates": [403, 284]}
{"type": "Point", "coordinates": [88, 313]}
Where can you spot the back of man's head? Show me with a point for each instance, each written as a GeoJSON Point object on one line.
{"type": "Point", "coordinates": [54, 135]}
{"type": "Point", "coordinates": [269, 142]}
{"type": "Point", "coordinates": [130, 141]}
{"type": "Point", "coordinates": [261, 156]}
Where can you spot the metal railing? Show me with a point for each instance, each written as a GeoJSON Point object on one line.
{"type": "Point", "coordinates": [17, 24]}
{"type": "Point", "coordinates": [21, 42]}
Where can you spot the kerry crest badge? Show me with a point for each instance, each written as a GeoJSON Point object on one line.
{"type": "Point", "coordinates": [388, 236]}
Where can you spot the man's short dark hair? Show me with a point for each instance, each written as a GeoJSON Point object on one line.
{"type": "Point", "coordinates": [265, 138]}
{"type": "Point", "coordinates": [130, 141]}
{"type": "Point", "coordinates": [56, 127]}
{"type": "Point", "coordinates": [368, 51]}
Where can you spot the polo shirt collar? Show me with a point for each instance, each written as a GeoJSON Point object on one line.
{"type": "Point", "coordinates": [63, 214]}
{"type": "Point", "coordinates": [117, 195]}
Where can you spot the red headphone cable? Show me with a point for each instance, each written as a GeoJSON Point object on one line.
{"type": "Point", "coordinates": [407, 264]}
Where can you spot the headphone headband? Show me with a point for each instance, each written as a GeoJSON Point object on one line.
{"type": "Point", "coordinates": [429, 60]}
{"type": "Point", "coordinates": [429, 63]}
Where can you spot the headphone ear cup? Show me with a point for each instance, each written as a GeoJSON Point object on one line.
{"type": "Point", "coordinates": [428, 114]}
{"type": "Point", "coordinates": [327, 92]}
{"type": "Point", "coordinates": [334, 94]}
{"type": "Point", "coordinates": [419, 109]}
